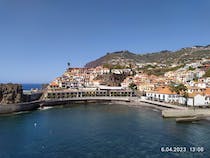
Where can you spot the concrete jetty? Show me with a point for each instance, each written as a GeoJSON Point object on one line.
{"type": "Point", "coordinates": [178, 113]}
{"type": "Point", "coordinates": [184, 114]}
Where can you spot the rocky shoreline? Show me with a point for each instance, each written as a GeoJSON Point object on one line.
{"type": "Point", "coordinates": [13, 99]}
{"type": "Point", "coordinates": [11, 93]}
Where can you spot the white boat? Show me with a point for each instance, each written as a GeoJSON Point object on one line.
{"type": "Point", "coordinates": [45, 107]}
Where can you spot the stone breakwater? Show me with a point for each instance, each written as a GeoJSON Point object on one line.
{"type": "Point", "coordinates": [12, 108]}
{"type": "Point", "coordinates": [12, 99]}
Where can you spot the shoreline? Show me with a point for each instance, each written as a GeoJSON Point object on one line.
{"type": "Point", "coordinates": [140, 105]}
{"type": "Point", "coordinates": [179, 115]}
{"type": "Point", "coordinates": [32, 106]}
{"type": "Point", "coordinates": [166, 111]}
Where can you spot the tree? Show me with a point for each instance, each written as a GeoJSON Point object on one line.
{"type": "Point", "coordinates": [132, 86]}
{"type": "Point", "coordinates": [191, 68]}
{"type": "Point", "coordinates": [106, 65]}
{"type": "Point", "coordinates": [180, 89]}
{"type": "Point", "coordinates": [207, 74]}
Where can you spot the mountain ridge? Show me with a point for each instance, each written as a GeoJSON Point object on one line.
{"type": "Point", "coordinates": [167, 57]}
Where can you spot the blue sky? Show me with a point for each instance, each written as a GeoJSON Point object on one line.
{"type": "Point", "coordinates": [38, 37]}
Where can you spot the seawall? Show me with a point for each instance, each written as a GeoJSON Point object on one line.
{"type": "Point", "coordinates": [11, 108]}
{"type": "Point", "coordinates": [33, 105]}
{"type": "Point", "coordinates": [55, 102]}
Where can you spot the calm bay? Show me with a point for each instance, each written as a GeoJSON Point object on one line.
{"type": "Point", "coordinates": [98, 130]}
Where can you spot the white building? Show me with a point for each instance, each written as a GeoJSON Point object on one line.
{"type": "Point", "coordinates": [197, 100]}
{"type": "Point", "coordinates": [163, 94]}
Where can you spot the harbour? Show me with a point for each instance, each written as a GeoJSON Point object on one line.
{"type": "Point", "coordinates": [104, 79]}
{"type": "Point", "coordinates": [98, 130]}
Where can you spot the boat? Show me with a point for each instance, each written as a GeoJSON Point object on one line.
{"type": "Point", "coordinates": [45, 107]}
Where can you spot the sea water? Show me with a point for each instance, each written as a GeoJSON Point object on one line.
{"type": "Point", "coordinates": [99, 131]}
{"type": "Point", "coordinates": [29, 86]}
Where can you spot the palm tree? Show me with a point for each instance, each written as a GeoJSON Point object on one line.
{"type": "Point", "coordinates": [133, 86]}
{"type": "Point", "coordinates": [68, 64]}
{"type": "Point", "coordinates": [180, 89]}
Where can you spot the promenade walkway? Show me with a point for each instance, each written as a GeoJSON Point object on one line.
{"type": "Point", "coordinates": [46, 102]}
{"type": "Point", "coordinates": [167, 105]}
{"type": "Point", "coordinates": [90, 98]}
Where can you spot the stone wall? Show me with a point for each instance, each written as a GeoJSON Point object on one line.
{"type": "Point", "coordinates": [11, 93]}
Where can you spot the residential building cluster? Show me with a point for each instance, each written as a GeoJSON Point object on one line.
{"type": "Point", "coordinates": [153, 87]}
{"type": "Point", "coordinates": [75, 78]}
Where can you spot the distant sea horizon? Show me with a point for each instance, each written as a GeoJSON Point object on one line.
{"type": "Point", "coordinates": [29, 86]}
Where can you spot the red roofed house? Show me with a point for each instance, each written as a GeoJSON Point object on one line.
{"type": "Point", "coordinates": [163, 94]}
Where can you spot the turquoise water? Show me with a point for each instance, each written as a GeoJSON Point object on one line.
{"type": "Point", "coordinates": [98, 131]}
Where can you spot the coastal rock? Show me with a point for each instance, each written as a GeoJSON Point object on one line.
{"type": "Point", "coordinates": [11, 93]}
{"type": "Point", "coordinates": [111, 79]}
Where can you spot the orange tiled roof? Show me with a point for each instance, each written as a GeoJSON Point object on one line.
{"type": "Point", "coordinates": [164, 90]}
{"type": "Point", "coordinates": [191, 95]}
{"type": "Point", "coordinates": [53, 84]}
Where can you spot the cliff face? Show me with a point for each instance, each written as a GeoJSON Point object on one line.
{"type": "Point", "coordinates": [11, 93]}
{"type": "Point", "coordinates": [111, 79]}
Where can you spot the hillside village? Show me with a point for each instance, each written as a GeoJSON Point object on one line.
{"type": "Point", "coordinates": [177, 83]}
